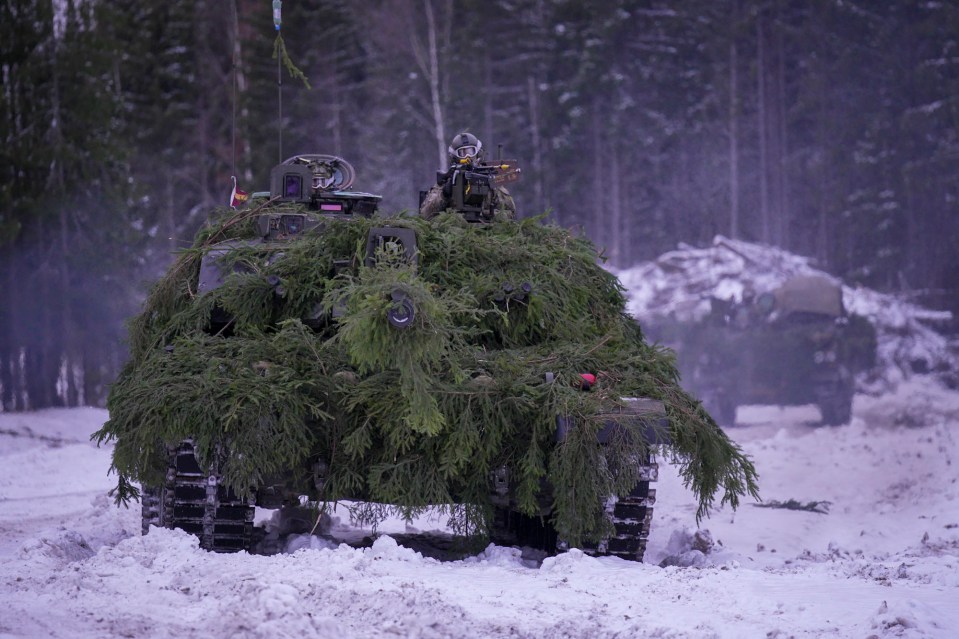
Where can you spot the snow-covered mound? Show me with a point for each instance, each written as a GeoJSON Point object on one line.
{"type": "Point", "coordinates": [679, 284]}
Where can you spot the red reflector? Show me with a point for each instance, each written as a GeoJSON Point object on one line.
{"type": "Point", "coordinates": [331, 207]}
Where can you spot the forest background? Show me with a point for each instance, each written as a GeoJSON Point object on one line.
{"type": "Point", "coordinates": [829, 128]}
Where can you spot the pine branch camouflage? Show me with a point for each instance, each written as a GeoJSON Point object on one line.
{"type": "Point", "coordinates": [415, 417]}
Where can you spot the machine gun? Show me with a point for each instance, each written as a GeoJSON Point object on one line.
{"type": "Point", "coordinates": [471, 189]}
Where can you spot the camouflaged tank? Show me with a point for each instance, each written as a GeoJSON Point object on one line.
{"type": "Point", "coordinates": [308, 350]}
{"type": "Point", "coordinates": [795, 344]}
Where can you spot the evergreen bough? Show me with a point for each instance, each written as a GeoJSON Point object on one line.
{"type": "Point", "coordinates": [416, 417]}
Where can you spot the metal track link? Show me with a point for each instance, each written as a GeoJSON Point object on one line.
{"type": "Point", "coordinates": [631, 517]}
{"type": "Point", "coordinates": [195, 501]}
{"type": "Point", "coordinates": [150, 504]}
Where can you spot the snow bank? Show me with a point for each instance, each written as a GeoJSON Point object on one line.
{"type": "Point", "coordinates": [883, 562]}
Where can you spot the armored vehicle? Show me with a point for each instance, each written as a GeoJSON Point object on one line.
{"type": "Point", "coordinates": [795, 344]}
{"type": "Point", "coordinates": [308, 348]}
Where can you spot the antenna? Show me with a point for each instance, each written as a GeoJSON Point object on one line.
{"type": "Point", "coordinates": [236, 37]}
{"type": "Point", "coordinates": [278, 22]}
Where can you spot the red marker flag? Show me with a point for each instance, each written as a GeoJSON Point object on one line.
{"type": "Point", "coordinates": [237, 197]}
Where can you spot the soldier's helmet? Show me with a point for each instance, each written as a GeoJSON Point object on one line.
{"type": "Point", "coordinates": [464, 148]}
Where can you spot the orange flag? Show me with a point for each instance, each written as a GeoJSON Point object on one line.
{"type": "Point", "coordinates": [237, 197]}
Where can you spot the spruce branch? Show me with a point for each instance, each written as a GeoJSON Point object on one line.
{"type": "Point", "coordinates": [420, 415]}
{"type": "Point", "coordinates": [279, 49]}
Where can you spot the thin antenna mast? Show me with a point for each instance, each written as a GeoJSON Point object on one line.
{"type": "Point", "coordinates": [236, 37]}
{"type": "Point", "coordinates": [277, 22]}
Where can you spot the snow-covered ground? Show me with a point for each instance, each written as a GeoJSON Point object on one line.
{"type": "Point", "coordinates": [883, 562]}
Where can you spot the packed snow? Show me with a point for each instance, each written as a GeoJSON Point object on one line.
{"type": "Point", "coordinates": [857, 534]}
{"type": "Point", "coordinates": [883, 560]}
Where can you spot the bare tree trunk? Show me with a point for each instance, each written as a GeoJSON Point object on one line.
{"type": "Point", "coordinates": [8, 342]}
{"type": "Point", "coordinates": [615, 206]}
{"type": "Point", "coordinates": [44, 346]}
{"type": "Point", "coordinates": [203, 149]}
{"type": "Point", "coordinates": [93, 362]}
{"type": "Point", "coordinates": [445, 46]}
{"type": "Point", "coordinates": [69, 354]}
{"type": "Point", "coordinates": [823, 250]}
{"type": "Point", "coordinates": [487, 94]}
{"type": "Point", "coordinates": [783, 186]}
{"type": "Point", "coordinates": [168, 206]}
{"type": "Point", "coordinates": [772, 127]}
{"type": "Point", "coordinates": [534, 123]}
{"type": "Point", "coordinates": [60, 357]}
{"type": "Point", "coordinates": [336, 106]}
{"type": "Point", "coordinates": [734, 127]}
{"type": "Point", "coordinates": [763, 138]}
{"type": "Point", "coordinates": [439, 129]}
{"type": "Point", "coordinates": [33, 375]}
{"type": "Point", "coordinates": [597, 205]}
{"type": "Point", "coordinates": [9, 345]}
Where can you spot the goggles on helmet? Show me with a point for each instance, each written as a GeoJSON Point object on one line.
{"type": "Point", "coordinates": [466, 151]}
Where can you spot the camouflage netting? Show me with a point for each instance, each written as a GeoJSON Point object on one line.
{"type": "Point", "coordinates": [412, 417]}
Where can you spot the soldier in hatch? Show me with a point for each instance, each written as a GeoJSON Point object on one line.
{"type": "Point", "coordinates": [469, 186]}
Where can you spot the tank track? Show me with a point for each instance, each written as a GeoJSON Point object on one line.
{"type": "Point", "coordinates": [631, 517]}
{"type": "Point", "coordinates": [151, 508]}
{"type": "Point", "coordinates": [196, 502]}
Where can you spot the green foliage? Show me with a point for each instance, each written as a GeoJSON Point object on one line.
{"type": "Point", "coordinates": [279, 52]}
{"type": "Point", "coordinates": [417, 416]}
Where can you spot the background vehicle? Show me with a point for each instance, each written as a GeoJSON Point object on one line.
{"type": "Point", "coordinates": [794, 344]}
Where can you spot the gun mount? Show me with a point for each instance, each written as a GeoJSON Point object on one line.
{"type": "Point", "coordinates": [475, 190]}
{"type": "Point", "coordinates": [322, 183]}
